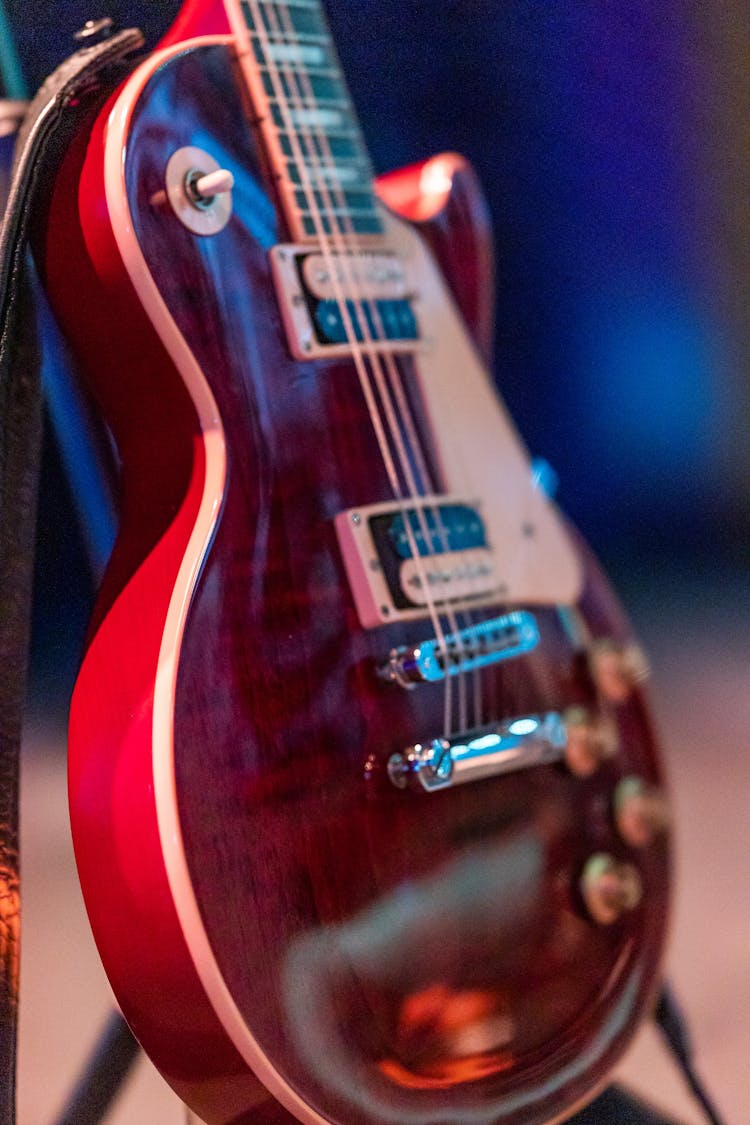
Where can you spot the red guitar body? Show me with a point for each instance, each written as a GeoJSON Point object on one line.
{"type": "Point", "coordinates": [291, 935]}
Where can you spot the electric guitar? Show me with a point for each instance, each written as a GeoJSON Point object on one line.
{"type": "Point", "coordinates": [366, 800]}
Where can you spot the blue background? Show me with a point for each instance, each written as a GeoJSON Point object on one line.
{"type": "Point", "coordinates": [612, 144]}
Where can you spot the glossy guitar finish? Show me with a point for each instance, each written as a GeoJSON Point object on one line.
{"type": "Point", "coordinates": [288, 933]}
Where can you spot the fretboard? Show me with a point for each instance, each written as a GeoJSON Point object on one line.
{"type": "Point", "coordinates": [307, 120]}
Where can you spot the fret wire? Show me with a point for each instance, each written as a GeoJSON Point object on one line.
{"type": "Point", "coordinates": [318, 76]}
{"type": "Point", "coordinates": [302, 82]}
{"type": "Point", "coordinates": [335, 179]}
{"type": "Point", "coordinates": [355, 225]}
{"type": "Point", "coordinates": [312, 103]}
{"type": "Point", "coordinates": [317, 225]}
{"type": "Point", "coordinates": [310, 111]}
{"type": "Point", "coordinates": [323, 160]}
{"type": "Point", "coordinates": [280, 47]}
{"type": "Point", "coordinates": [347, 173]}
{"type": "Point", "coordinates": [358, 199]}
{"type": "Point", "coordinates": [314, 71]}
{"type": "Point", "coordinates": [353, 233]}
{"type": "Point", "coordinates": [329, 73]}
{"type": "Point", "coordinates": [346, 130]}
{"type": "Point", "coordinates": [328, 166]}
{"type": "Point", "coordinates": [333, 135]}
{"type": "Point", "coordinates": [311, 5]}
{"type": "Point", "coordinates": [312, 100]}
{"type": "Point", "coordinates": [352, 192]}
{"type": "Point", "coordinates": [332, 70]}
{"type": "Point", "coordinates": [330, 113]}
{"type": "Point", "coordinates": [353, 195]}
{"type": "Point", "coordinates": [281, 37]}
{"type": "Point", "coordinates": [354, 212]}
{"type": "Point", "coordinates": [348, 145]}
{"type": "Point", "coordinates": [312, 23]}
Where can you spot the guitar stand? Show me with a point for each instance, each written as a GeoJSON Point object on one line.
{"type": "Point", "coordinates": [103, 1076]}
{"type": "Point", "coordinates": [113, 1056]}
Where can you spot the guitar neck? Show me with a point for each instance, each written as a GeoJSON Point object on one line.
{"type": "Point", "coordinates": [307, 121]}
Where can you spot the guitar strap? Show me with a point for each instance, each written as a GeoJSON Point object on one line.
{"type": "Point", "coordinates": [46, 129]}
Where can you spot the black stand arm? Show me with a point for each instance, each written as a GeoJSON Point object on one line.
{"type": "Point", "coordinates": [105, 1073]}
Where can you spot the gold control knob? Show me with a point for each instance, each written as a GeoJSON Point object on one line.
{"type": "Point", "coordinates": [641, 812]}
{"type": "Point", "coordinates": [617, 668]}
{"type": "Point", "coordinates": [590, 739]}
{"type": "Point", "coordinates": [610, 888]}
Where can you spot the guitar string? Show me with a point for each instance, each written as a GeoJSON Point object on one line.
{"type": "Point", "coordinates": [357, 352]}
{"type": "Point", "coordinates": [317, 219]}
{"type": "Point", "coordinates": [320, 156]}
{"type": "Point", "coordinates": [337, 231]}
{"type": "Point", "coordinates": [324, 159]}
{"type": "Point", "coordinates": [457, 619]}
{"type": "Point", "coordinates": [367, 388]}
{"type": "Point", "coordinates": [403, 408]}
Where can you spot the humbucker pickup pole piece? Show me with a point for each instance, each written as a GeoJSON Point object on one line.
{"type": "Point", "coordinates": [453, 562]}
{"type": "Point", "coordinates": [314, 291]}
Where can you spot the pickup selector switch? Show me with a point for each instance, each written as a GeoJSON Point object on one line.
{"type": "Point", "coordinates": [199, 190]}
{"type": "Point", "coordinates": [204, 187]}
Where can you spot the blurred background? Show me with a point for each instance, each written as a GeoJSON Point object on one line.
{"type": "Point", "coordinates": [612, 142]}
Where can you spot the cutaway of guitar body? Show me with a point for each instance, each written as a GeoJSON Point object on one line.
{"type": "Point", "coordinates": [291, 935]}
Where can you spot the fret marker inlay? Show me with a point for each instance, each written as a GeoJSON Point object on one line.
{"type": "Point", "coordinates": [307, 120]}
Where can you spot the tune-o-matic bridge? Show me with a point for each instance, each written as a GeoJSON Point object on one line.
{"type": "Point", "coordinates": [329, 300]}
{"type": "Point", "coordinates": [474, 647]}
{"type": "Point", "coordinates": [401, 558]}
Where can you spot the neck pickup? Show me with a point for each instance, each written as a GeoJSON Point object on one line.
{"type": "Point", "coordinates": [333, 302]}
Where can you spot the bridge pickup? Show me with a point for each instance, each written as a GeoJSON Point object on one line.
{"type": "Point", "coordinates": [401, 558]}
{"type": "Point", "coordinates": [475, 647]}
{"type": "Point", "coordinates": [326, 301]}
{"type": "Point", "coordinates": [504, 747]}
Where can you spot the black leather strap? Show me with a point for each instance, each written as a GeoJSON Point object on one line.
{"type": "Point", "coordinates": [19, 459]}
{"type": "Point", "coordinates": [46, 126]}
